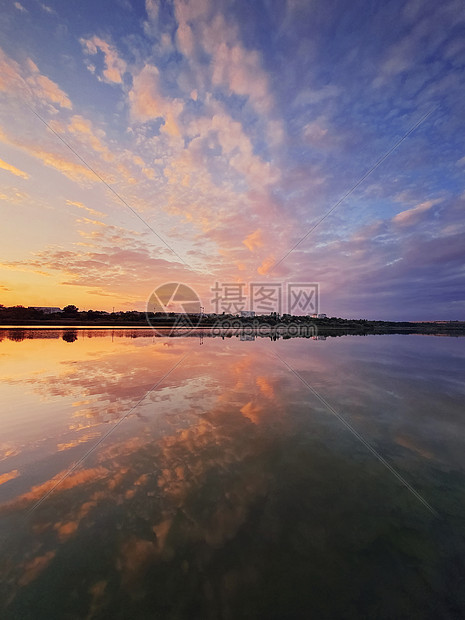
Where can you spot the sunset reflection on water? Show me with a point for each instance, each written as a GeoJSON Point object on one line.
{"type": "Point", "coordinates": [229, 489]}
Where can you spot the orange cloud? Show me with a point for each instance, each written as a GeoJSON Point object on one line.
{"type": "Point", "coordinates": [70, 168]}
{"type": "Point", "coordinates": [16, 171]}
{"type": "Point", "coordinates": [66, 530]}
{"type": "Point", "coordinates": [265, 387]}
{"type": "Point", "coordinates": [10, 77]}
{"type": "Point", "coordinates": [26, 81]}
{"type": "Point", "coordinates": [9, 476]}
{"type": "Point", "coordinates": [33, 568]}
{"type": "Point", "coordinates": [266, 264]}
{"type": "Point", "coordinates": [73, 480]}
{"type": "Point", "coordinates": [49, 90]}
{"type": "Point", "coordinates": [252, 411]}
{"type": "Point", "coordinates": [115, 67]}
{"type": "Point", "coordinates": [79, 205]}
{"type": "Point", "coordinates": [40, 85]}
{"type": "Point", "coordinates": [76, 442]}
{"type": "Point", "coordinates": [83, 129]}
{"type": "Point", "coordinates": [254, 240]}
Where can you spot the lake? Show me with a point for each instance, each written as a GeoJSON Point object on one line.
{"type": "Point", "coordinates": [198, 477]}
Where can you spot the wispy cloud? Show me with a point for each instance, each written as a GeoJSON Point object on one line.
{"type": "Point", "coordinates": [16, 171]}
{"type": "Point", "coordinates": [20, 7]}
{"type": "Point", "coordinates": [413, 215]}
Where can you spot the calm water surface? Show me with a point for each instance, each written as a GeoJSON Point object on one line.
{"type": "Point", "coordinates": [228, 489]}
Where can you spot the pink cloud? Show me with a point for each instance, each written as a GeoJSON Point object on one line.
{"type": "Point", "coordinates": [412, 216]}
{"type": "Point", "coordinates": [147, 102]}
{"type": "Point", "coordinates": [114, 66]}
{"type": "Point", "coordinates": [232, 66]}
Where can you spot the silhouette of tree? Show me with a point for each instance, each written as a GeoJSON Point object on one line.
{"type": "Point", "coordinates": [69, 335]}
{"type": "Point", "coordinates": [17, 335]}
{"type": "Point", "coordinates": [71, 309]}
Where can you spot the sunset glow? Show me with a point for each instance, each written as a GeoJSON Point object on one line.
{"type": "Point", "coordinates": [226, 131]}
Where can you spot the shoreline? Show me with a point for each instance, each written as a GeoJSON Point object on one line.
{"type": "Point", "coordinates": [302, 328]}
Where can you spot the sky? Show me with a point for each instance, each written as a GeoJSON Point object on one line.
{"type": "Point", "coordinates": [199, 141]}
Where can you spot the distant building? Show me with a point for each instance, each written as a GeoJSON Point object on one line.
{"type": "Point", "coordinates": [247, 314]}
{"type": "Point", "coordinates": [46, 309]}
{"type": "Point", "coordinates": [314, 316]}
{"type": "Point", "coordinates": [322, 316]}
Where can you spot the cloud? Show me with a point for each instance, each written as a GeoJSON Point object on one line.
{"type": "Point", "coordinates": [44, 88]}
{"type": "Point", "coordinates": [147, 102]}
{"type": "Point", "coordinates": [413, 216]}
{"type": "Point", "coordinates": [10, 78]}
{"type": "Point", "coordinates": [312, 96]}
{"type": "Point", "coordinates": [48, 9]}
{"type": "Point", "coordinates": [254, 240]}
{"type": "Point", "coordinates": [16, 171]}
{"type": "Point", "coordinates": [26, 81]}
{"type": "Point", "coordinates": [50, 91]}
{"type": "Point", "coordinates": [14, 196]}
{"type": "Point", "coordinates": [71, 169]}
{"type": "Point", "coordinates": [9, 476]}
{"type": "Point", "coordinates": [241, 141]}
{"type": "Point", "coordinates": [85, 131]}
{"type": "Point", "coordinates": [239, 70]}
{"type": "Point", "coordinates": [88, 142]}
{"type": "Point", "coordinates": [114, 261]}
{"type": "Point", "coordinates": [235, 145]}
{"type": "Point", "coordinates": [267, 263]}
{"type": "Point", "coordinates": [152, 26]}
{"type": "Point", "coordinates": [20, 7]}
{"type": "Point", "coordinates": [315, 132]}
{"type": "Point", "coordinates": [420, 41]}
{"type": "Point", "coordinates": [114, 66]}
{"type": "Point", "coordinates": [79, 205]}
